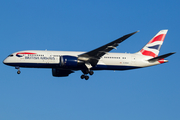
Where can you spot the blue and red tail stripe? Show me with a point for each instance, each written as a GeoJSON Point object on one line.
{"type": "Point", "coordinates": [154, 49]}
{"type": "Point", "coordinates": [158, 38]}
{"type": "Point", "coordinates": [148, 53]}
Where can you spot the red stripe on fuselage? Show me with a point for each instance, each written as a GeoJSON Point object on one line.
{"type": "Point", "coordinates": [25, 53]}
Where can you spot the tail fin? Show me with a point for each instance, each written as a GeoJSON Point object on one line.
{"type": "Point", "coordinates": [153, 46]}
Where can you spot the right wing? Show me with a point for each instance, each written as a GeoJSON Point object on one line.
{"type": "Point", "coordinates": [91, 58]}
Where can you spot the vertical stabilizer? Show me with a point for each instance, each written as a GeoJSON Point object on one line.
{"type": "Point", "coordinates": [153, 46]}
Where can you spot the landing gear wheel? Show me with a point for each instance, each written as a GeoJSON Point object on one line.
{"type": "Point", "coordinates": [82, 76]}
{"type": "Point", "coordinates": [18, 72]}
{"type": "Point", "coordinates": [91, 72]}
{"type": "Point", "coordinates": [86, 77]}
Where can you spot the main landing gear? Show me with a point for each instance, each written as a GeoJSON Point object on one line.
{"type": "Point", "coordinates": [85, 76]}
{"type": "Point", "coordinates": [17, 67]}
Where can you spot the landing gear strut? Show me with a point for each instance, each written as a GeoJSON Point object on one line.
{"type": "Point", "coordinates": [17, 67]}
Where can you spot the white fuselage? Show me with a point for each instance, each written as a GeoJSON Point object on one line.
{"type": "Point", "coordinates": [51, 59]}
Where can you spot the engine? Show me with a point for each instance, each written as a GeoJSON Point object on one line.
{"type": "Point", "coordinates": [68, 61]}
{"type": "Point", "coordinates": [60, 73]}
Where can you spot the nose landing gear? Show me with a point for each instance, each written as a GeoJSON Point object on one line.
{"type": "Point", "coordinates": [17, 67]}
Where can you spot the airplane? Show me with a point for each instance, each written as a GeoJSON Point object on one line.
{"type": "Point", "coordinates": [64, 63]}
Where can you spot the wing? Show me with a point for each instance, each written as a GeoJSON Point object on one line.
{"type": "Point", "coordinates": [91, 58]}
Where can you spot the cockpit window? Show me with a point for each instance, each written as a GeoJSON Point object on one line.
{"type": "Point", "coordinates": [10, 55]}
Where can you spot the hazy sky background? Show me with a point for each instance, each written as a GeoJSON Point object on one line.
{"type": "Point", "coordinates": [151, 93]}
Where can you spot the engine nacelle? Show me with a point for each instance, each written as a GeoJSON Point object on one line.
{"type": "Point", "coordinates": [60, 73]}
{"type": "Point", "coordinates": [68, 61]}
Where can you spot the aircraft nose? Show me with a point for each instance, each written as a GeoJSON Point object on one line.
{"type": "Point", "coordinates": [8, 60]}
{"type": "Point", "coordinates": [5, 61]}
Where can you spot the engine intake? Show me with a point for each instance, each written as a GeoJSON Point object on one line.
{"type": "Point", "coordinates": [68, 61]}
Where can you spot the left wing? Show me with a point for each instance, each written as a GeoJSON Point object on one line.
{"type": "Point", "coordinates": [91, 58]}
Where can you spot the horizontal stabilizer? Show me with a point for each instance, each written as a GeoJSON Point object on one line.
{"type": "Point", "coordinates": [160, 57]}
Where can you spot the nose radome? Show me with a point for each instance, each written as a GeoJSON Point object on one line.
{"type": "Point", "coordinates": [5, 61]}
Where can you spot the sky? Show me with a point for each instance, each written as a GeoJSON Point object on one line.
{"type": "Point", "coordinates": [151, 93]}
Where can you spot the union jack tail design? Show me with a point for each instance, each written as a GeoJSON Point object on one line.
{"type": "Point", "coordinates": [153, 46]}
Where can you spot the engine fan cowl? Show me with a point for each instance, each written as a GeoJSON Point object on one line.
{"type": "Point", "coordinates": [68, 61]}
{"type": "Point", "coordinates": [60, 73]}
